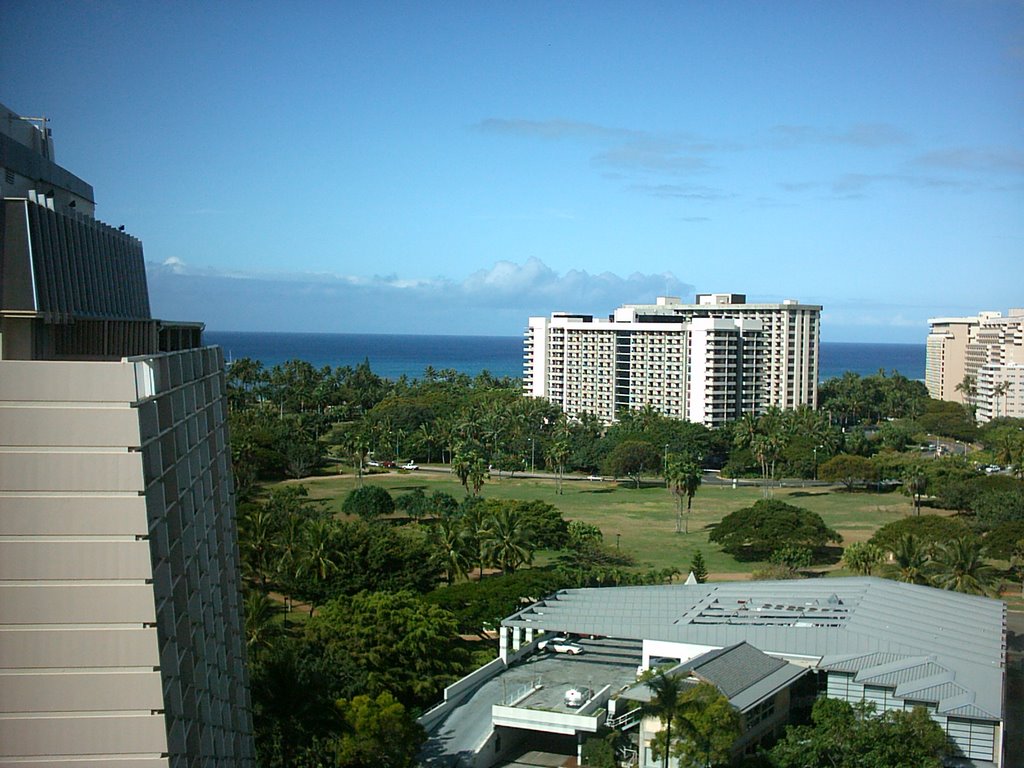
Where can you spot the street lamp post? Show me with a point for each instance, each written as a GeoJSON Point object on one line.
{"type": "Point", "coordinates": [533, 454]}
{"type": "Point", "coordinates": [664, 468]}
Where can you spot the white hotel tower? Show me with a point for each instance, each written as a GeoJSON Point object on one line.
{"type": "Point", "coordinates": [709, 362]}
{"type": "Point", "coordinates": [121, 636]}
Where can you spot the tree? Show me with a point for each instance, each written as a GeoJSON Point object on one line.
{"type": "Point", "coordinates": [915, 483]}
{"type": "Point", "coordinates": [755, 532]}
{"type": "Point", "coordinates": [477, 474]}
{"type": "Point", "coordinates": [377, 731]}
{"type": "Point", "coordinates": [414, 503]}
{"type": "Point", "coordinates": [507, 540]}
{"type": "Point", "coordinates": [683, 476]}
{"type": "Point", "coordinates": [853, 736]}
{"type": "Point", "coordinates": [631, 458]}
{"type": "Point", "coordinates": [406, 646]}
{"type": "Point", "coordinates": [861, 557]}
{"type": "Point", "coordinates": [461, 464]}
{"type": "Point", "coordinates": [928, 529]}
{"type": "Point", "coordinates": [664, 704]}
{"type": "Point", "coordinates": [452, 552]}
{"type": "Point", "coordinates": [911, 558]}
{"type": "Point", "coordinates": [558, 454]}
{"type": "Point", "coordinates": [848, 470]}
{"type": "Point", "coordinates": [706, 727]}
{"type": "Point", "coordinates": [368, 502]}
{"type": "Point", "coordinates": [317, 558]}
{"type": "Point", "coordinates": [699, 568]}
{"type": "Point", "coordinates": [999, 390]}
{"type": "Point", "coordinates": [582, 534]}
{"type": "Point", "coordinates": [261, 625]}
{"type": "Point", "coordinates": [960, 567]}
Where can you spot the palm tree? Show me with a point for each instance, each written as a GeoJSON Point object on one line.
{"type": "Point", "coordinates": [915, 483]}
{"type": "Point", "coordinates": [998, 391]}
{"type": "Point", "coordinates": [558, 455]}
{"type": "Point", "coordinates": [683, 476]}
{"type": "Point", "coordinates": [665, 704]}
{"type": "Point", "coordinates": [968, 388]}
{"type": "Point", "coordinates": [477, 474]}
{"type": "Point", "coordinates": [460, 468]}
{"type": "Point", "coordinates": [318, 552]}
{"type": "Point", "coordinates": [257, 534]}
{"type": "Point", "coordinates": [261, 625]}
{"type": "Point", "coordinates": [453, 548]}
{"type": "Point", "coordinates": [862, 557]}
{"type": "Point", "coordinates": [960, 567]}
{"type": "Point", "coordinates": [507, 540]}
{"type": "Point", "coordinates": [911, 560]}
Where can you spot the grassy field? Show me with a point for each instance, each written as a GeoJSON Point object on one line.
{"type": "Point", "coordinates": [642, 521]}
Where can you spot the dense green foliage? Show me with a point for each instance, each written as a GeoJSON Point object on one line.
{"type": "Point", "coordinates": [853, 736]}
{"type": "Point", "coordinates": [368, 502]}
{"type": "Point", "coordinates": [755, 532]}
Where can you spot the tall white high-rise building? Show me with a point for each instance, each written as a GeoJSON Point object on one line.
{"type": "Point", "coordinates": [121, 635]}
{"type": "Point", "coordinates": [986, 351]}
{"type": "Point", "coordinates": [707, 362]}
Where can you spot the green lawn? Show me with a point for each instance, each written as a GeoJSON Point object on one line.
{"type": "Point", "coordinates": [642, 521]}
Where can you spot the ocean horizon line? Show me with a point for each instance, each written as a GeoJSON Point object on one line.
{"type": "Point", "coordinates": [217, 331]}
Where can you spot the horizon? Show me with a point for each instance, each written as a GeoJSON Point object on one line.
{"type": "Point", "coordinates": [360, 168]}
{"type": "Point", "coordinates": [499, 336]}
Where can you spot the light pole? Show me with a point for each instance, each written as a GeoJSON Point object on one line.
{"type": "Point", "coordinates": [664, 468]}
{"type": "Point", "coordinates": [532, 455]}
{"type": "Point", "coordinates": [815, 463]}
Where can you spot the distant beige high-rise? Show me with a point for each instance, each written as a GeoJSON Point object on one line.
{"type": "Point", "coordinates": [121, 636]}
{"type": "Point", "coordinates": [709, 362]}
{"type": "Point", "coordinates": [981, 352]}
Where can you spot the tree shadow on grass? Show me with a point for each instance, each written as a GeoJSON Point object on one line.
{"type": "Point", "coordinates": [599, 490]}
{"type": "Point", "coordinates": [802, 494]}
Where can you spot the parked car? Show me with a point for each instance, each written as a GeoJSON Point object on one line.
{"type": "Point", "coordinates": [595, 478]}
{"type": "Point", "coordinates": [410, 466]}
{"type": "Point", "coordinates": [372, 463]}
{"type": "Point", "coordinates": [577, 696]}
{"type": "Point", "coordinates": [564, 637]}
{"type": "Point", "coordinates": [560, 644]}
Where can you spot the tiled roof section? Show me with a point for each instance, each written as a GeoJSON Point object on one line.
{"type": "Point", "coordinates": [859, 622]}
{"type": "Point", "coordinates": [737, 668]}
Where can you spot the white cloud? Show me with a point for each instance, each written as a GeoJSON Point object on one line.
{"type": "Point", "coordinates": [493, 301]}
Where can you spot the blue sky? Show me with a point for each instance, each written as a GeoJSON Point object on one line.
{"type": "Point", "coordinates": [457, 167]}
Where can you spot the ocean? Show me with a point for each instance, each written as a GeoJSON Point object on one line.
{"type": "Point", "coordinates": [391, 356]}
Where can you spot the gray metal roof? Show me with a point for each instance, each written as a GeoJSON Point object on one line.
{"type": "Point", "coordinates": [866, 620]}
{"type": "Point", "coordinates": [741, 673]}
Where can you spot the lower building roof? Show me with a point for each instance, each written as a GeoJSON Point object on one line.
{"type": "Point", "coordinates": [828, 622]}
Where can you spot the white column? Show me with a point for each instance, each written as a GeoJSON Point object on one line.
{"type": "Point", "coordinates": [517, 638]}
{"type": "Point", "coordinates": [503, 644]}
{"type": "Point", "coordinates": [529, 635]}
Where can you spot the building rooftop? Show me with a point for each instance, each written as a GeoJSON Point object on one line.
{"type": "Point", "coordinates": [825, 622]}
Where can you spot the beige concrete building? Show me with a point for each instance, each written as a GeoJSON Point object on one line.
{"type": "Point", "coordinates": [708, 362]}
{"type": "Point", "coordinates": [983, 350]}
{"type": "Point", "coordinates": [121, 635]}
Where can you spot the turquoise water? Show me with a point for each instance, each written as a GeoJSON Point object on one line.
{"type": "Point", "coordinates": [392, 356]}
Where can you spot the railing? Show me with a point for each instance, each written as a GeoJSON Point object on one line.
{"type": "Point", "coordinates": [626, 721]}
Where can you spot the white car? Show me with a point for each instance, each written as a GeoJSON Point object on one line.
{"type": "Point", "coordinates": [560, 644]}
{"type": "Point", "coordinates": [578, 696]}
{"type": "Point", "coordinates": [410, 466]}
{"type": "Point", "coordinates": [372, 463]}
